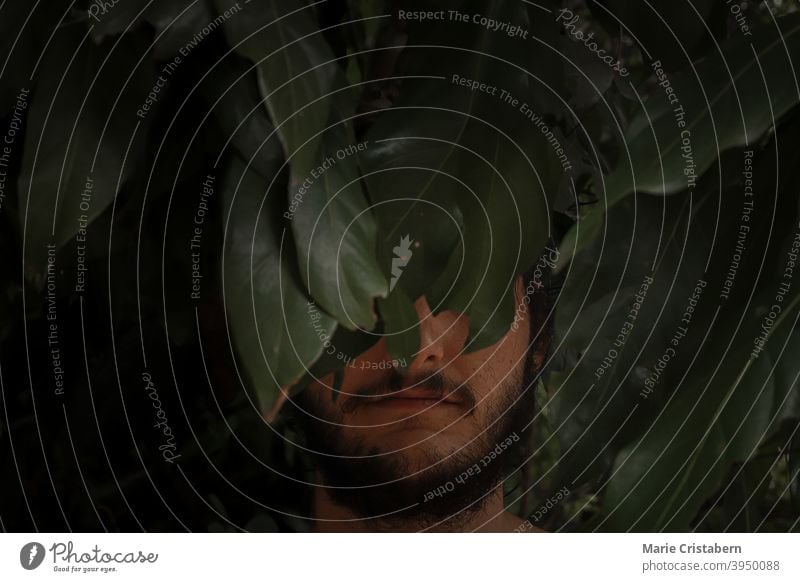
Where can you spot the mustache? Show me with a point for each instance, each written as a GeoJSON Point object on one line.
{"type": "Point", "coordinates": [438, 385]}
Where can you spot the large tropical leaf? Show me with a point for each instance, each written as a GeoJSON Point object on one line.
{"type": "Point", "coordinates": [729, 98]}
{"type": "Point", "coordinates": [660, 481]}
{"type": "Point", "coordinates": [303, 91]}
{"type": "Point", "coordinates": [461, 172]}
{"type": "Point", "coordinates": [733, 391]}
{"type": "Point", "coordinates": [231, 88]}
{"type": "Point", "coordinates": [277, 328]}
{"type": "Point", "coordinates": [621, 304]}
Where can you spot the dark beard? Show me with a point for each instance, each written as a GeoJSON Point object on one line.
{"type": "Point", "coordinates": [350, 468]}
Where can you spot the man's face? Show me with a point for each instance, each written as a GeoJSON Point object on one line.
{"type": "Point", "coordinates": [394, 437]}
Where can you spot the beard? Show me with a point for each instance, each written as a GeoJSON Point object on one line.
{"type": "Point", "coordinates": [389, 491]}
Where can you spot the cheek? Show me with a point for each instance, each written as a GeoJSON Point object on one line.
{"type": "Point", "coordinates": [497, 367]}
{"type": "Point", "coordinates": [360, 371]}
{"type": "Point", "coordinates": [317, 400]}
{"type": "Point", "coordinates": [326, 402]}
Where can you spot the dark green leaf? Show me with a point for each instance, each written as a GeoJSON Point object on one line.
{"type": "Point", "coordinates": [278, 330]}
{"type": "Point", "coordinates": [660, 481]}
{"type": "Point", "coordinates": [335, 234]}
{"type": "Point", "coordinates": [295, 69]}
{"type": "Point", "coordinates": [465, 174]}
{"type": "Point", "coordinates": [232, 89]}
{"type": "Point", "coordinates": [727, 98]}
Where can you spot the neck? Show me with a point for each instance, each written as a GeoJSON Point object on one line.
{"type": "Point", "coordinates": [489, 516]}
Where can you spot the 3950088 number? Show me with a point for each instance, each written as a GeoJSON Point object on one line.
{"type": "Point", "coordinates": [755, 565]}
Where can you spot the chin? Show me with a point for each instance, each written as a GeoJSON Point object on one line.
{"type": "Point", "coordinates": [420, 446]}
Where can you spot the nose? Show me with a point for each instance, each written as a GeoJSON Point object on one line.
{"type": "Point", "coordinates": [441, 338]}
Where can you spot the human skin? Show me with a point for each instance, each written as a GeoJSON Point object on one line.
{"type": "Point", "coordinates": [417, 425]}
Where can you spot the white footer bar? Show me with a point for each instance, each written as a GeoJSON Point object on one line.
{"type": "Point", "coordinates": [400, 557]}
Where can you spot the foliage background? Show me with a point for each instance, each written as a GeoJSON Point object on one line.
{"type": "Point", "coordinates": [714, 448]}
